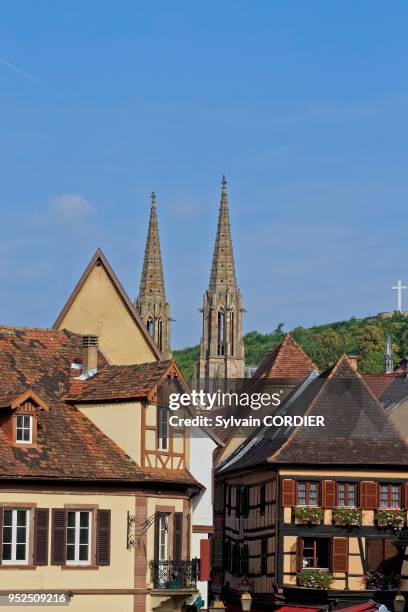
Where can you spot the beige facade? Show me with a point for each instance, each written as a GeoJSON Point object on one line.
{"type": "Point", "coordinates": [99, 306]}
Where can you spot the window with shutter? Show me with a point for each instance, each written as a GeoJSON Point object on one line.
{"type": "Point", "coordinates": [59, 530]}
{"type": "Point", "coordinates": [340, 555]}
{"type": "Point", "coordinates": [41, 525]}
{"type": "Point", "coordinates": [288, 492]}
{"type": "Point", "coordinates": [384, 556]}
{"type": "Point", "coordinates": [178, 536]}
{"type": "Point", "coordinates": [103, 537]}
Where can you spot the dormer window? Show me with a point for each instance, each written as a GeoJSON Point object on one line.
{"type": "Point", "coordinates": [24, 428]}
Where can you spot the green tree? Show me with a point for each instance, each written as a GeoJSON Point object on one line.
{"type": "Point", "coordinates": [370, 349]}
{"type": "Point", "coordinates": [328, 349]}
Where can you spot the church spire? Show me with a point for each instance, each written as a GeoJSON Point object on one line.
{"type": "Point", "coordinates": [388, 357]}
{"type": "Point", "coordinates": [152, 280]}
{"type": "Point", "coordinates": [223, 267]}
{"type": "Point", "coordinates": [151, 301]}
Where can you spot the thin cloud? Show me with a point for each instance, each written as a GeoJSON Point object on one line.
{"type": "Point", "coordinates": [21, 72]}
{"type": "Point", "coordinates": [71, 208]}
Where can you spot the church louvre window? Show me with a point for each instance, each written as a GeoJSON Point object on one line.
{"type": "Point", "coordinates": [232, 332]}
{"type": "Point", "coordinates": [150, 326]}
{"type": "Point", "coordinates": [160, 333]}
{"type": "Point", "coordinates": [221, 333]}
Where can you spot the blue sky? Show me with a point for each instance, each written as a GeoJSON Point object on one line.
{"type": "Point", "coordinates": [302, 104]}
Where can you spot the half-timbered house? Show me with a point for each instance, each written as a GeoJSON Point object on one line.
{"type": "Point", "coordinates": [315, 513]}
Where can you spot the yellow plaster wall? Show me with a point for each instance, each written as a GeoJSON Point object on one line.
{"type": "Point", "coordinates": [119, 421]}
{"type": "Point", "coordinates": [98, 309]}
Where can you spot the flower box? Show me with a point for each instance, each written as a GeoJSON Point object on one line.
{"type": "Point", "coordinates": [391, 518]}
{"type": "Point", "coordinates": [378, 581]}
{"type": "Point", "coordinates": [309, 514]}
{"type": "Point", "coordinates": [350, 517]}
{"type": "Point", "coordinates": [315, 578]}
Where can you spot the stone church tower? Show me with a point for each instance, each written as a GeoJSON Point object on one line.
{"type": "Point", "coordinates": [221, 346]}
{"type": "Point", "coordinates": [151, 302]}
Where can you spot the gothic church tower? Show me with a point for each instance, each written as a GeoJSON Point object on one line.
{"type": "Point", "coordinates": [151, 302]}
{"type": "Point", "coordinates": [221, 346]}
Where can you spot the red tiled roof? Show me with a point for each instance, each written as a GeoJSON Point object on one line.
{"type": "Point", "coordinates": [287, 361]}
{"type": "Point", "coordinates": [378, 382]}
{"type": "Point", "coordinates": [115, 382]}
{"type": "Point", "coordinates": [69, 446]}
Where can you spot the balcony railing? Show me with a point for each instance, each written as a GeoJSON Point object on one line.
{"type": "Point", "coordinates": [174, 574]}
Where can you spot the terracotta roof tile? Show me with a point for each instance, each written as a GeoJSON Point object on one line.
{"type": "Point", "coordinates": [285, 362]}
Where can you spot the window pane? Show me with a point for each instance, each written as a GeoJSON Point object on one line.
{"type": "Point", "coordinates": [20, 552]}
{"type": "Point", "coordinates": [70, 536]}
{"type": "Point", "coordinates": [71, 519]}
{"type": "Point", "coordinates": [8, 517]}
{"type": "Point", "coordinates": [21, 535]}
{"type": "Point", "coordinates": [7, 535]}
{"type": "Point", "coordinates": [395, 496]}
{"type": "Point", "coordinates": [84, 519]}
{"type": "Point", "coordinates": [83, 536]}
{"type": "Point", "coordinates": [20, 421]}
{"type": "Point", "coordinates": [70, 552]}
{"type": "Point", "coordinates": [83, 553]}
{"type": "Point", "coordinates": [383, 495]}
{"type": "Point", "coordinates": [7, 552]}
{"type": "Point", "coordinates": [351, 495]}
{"type": "Point", "coordinates": [21, 518]}
{"type": "Point", "coordinates": [302, 493]}
{"type": "Point", "coordinates": [313, 493]}
{"type": "Point", "coordinates": [26, 435]}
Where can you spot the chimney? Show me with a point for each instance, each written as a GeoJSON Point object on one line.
{"type": "Point", "coordinates": [89, 353]}
{"type": "Point", "coordinates": [353, 359]}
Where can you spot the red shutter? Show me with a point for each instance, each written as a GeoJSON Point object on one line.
{"type": "Point", "coordinates": [1, 533]}
{"type": "Point", "coordinates": [178, 536]}
{"type": "Point", "coordinates": [299, 554]}
{"type": "Point", "coordinates": [329, 494]}
{"type": "Point", "coordinates": [205, 560]}
{"type": "Point", "coordinates": [103, 537]}
{"type": "Point", "coordinates": [288, 492]}
{"type": "Point", "coordinates": [40, 552]}
{"type": "Point", "coordinates": [375, 554]}
{"type": "Point", "coordinates": [59, 537]}
{"type": "Point", "coordinates": [340, 555]}
{"type": "Point", "coordinates": [368, 495]}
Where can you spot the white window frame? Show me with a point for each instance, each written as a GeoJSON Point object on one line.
{"type": "Point", "coordinates": [24, 428]}
{"type": "Point", "coordinates": [163, 537]}
{"type": "Point", "coordinates": [14, 560]}
{"type": "Point", "coordinates": [77, 529]}
{"type": "Point", "coordinates": [163, 441]}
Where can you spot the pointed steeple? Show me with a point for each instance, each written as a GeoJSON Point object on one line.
{"type": "Point", "coordinates": [152, 280]}
{"type": "Point", "coordinates": [151, 301]}
{"type": "Point", "coordinates": [223, 267]}
{"type": "Point", "coordinates": [388, 357]}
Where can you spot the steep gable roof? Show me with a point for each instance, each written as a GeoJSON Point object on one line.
{"type": "Point", "coordinates": [99, 259]}
{"type": "Point", "coordinates": [286, 361]}
{"type": "Point", "coordinates": [356, 431]}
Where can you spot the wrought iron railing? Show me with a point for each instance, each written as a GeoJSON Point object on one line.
{"type": "Point", "coordinates": [174, 574]}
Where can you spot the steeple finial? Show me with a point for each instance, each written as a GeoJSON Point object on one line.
{"type": "Point", "coordinates": [153, 198]}
{"type": "Point", "coordinates": [224, 184]}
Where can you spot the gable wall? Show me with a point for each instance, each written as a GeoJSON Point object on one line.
{"type": "Point", "coordinates": [98, 309]}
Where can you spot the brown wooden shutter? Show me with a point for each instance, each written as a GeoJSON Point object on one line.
{"type": "Point", "coordinates": [40, 552]}
{"type": "Point", "coordinates": [103, 537]}
{"type": "Point", "coordinates": [329, 494]}
{"type": "Point", "coordinates": [368, 495]}
{"type": "Point", "coordinates": [178, 536]}
{"type": "Point", "coordinates": [340, 555]}
{"type": "Point", "coordinates": [299, 554]}
{"type": "Point", "coordinates": [390, 550]}
{"type": "Point", "coordinates": [375, 554]}
{"type": "Point", "coordinates": [1, 533]}
{"type": "Point", "coordinates": [288, 492]}
{"type": "Point", "coordinates": [59, 537]}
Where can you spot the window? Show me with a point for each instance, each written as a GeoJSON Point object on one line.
{"type": "Point", "coordinates": [78, 537]}
{"type": "Point", "coordinates": [262, 500]}
{"type": "Point", "coordinates": [307, 493]}
{"type": "Point", "coordinates": [232, 332]}
{"type": "Point", "coordinates": [160, 334]}
{"type": "Point", "coordinates": [383, 555]}
{"type": "Point", "coordinates": [346, 494]}
{"type": "Point", "coordinates": [163, 428]}
{"type": "Point", "coordinates": [264, 555]}
{"type": "Point", "coordinates": [163, 543]}
{"type": "Point", "coordinates": [15, 536]}
{"type": "Point", "coordinates": [315, 553]}
{"type": "Point", "coordinates": [150, 326]}
{"type": "Point", "coordinates": [221, 333]}
{"type": "Point", "coordinates": [390, 496]}
{"type": "Point", "coordinates": [24, 428]}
